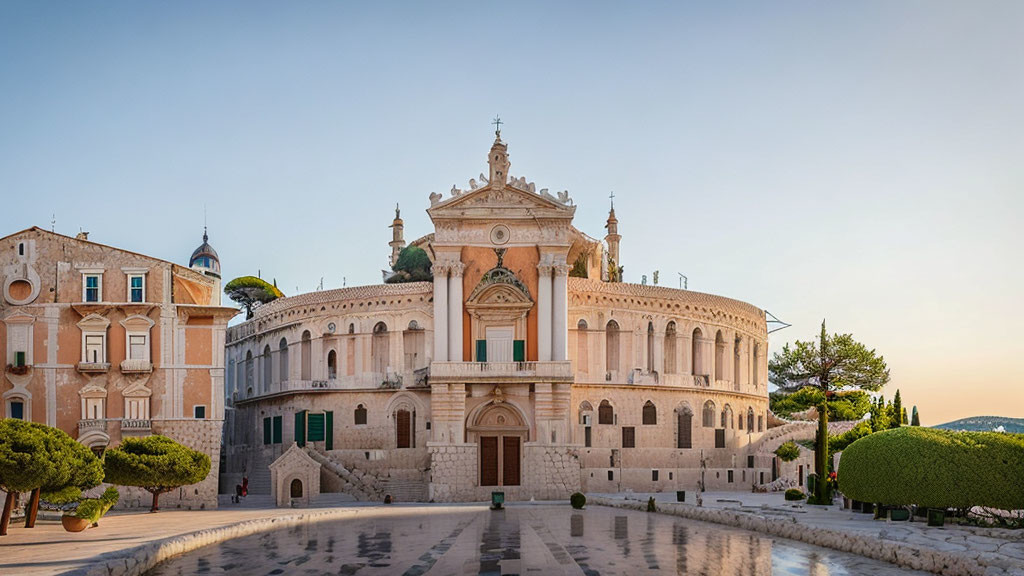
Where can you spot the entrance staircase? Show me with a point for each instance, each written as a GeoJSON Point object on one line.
{"type": "Point", "coordinates": [360, 485]}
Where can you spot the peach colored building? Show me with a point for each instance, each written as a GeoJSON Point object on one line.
{"type": "Point", "coordinates": [104, 343]}
{"type": "Point", "coordinates": [522, 366]}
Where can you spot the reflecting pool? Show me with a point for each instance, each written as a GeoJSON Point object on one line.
{"type": "Point", "coordinates": [525, 539]}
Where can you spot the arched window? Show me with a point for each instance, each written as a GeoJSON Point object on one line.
{"type": "Point", "coordinates": [737, 349]}
{"type": "Point", "coordinates": [670, 348]}
{"type": "Point", "coordinates": [380, 348]}
{"type": "Point", "coordinates": [268, 368]}
{"type": "Point", "coordinates": [405, 426]}
{"type": "Point", "coordinates": [684, 428]}
{"type": "Point", "coordinates": [750, 420]}
{"type": "Point", "coordinates": [727, 417]}
{"type": "Point", "coordinates": [249, 376]}
{"type": "Point", "coordinates": [719, 356]}
{"type": "Point", "coordinates": [650, 414]}
{"type": "Point", "coordinates": [605, 413]}
{"type": "Point", "coordinates": [650, 346]}
{"type": "Point", "coordinates": [582, 347]}
{"type": "Point", "coordinates": [282, 361]}
{"type": "Point", "coordinates": [332, 365]}
{"type": "Point", "coordinates": [611, 335]}
{"type": "Point", "coordinates": [739, 421]}
{"type": "Point", "coordinates": [756, 360]}
{"type": "Point", "coordinates": [307, 358]}
{"type": "Point", "coordinates": [360, 415]}
{"type": "Point", "coordinates": [696, 356]}
{"type": "Point", "coordinates": [351, 328]}
{"type": "Point", "coordinates": [708, 416]}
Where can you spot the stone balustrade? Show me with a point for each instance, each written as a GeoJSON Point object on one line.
{"type": "Point", "coordinates": [89, 425]}
{"type": "Point", "coordinates": [136, 367]}
{"type": "Point", "coordinates": [136, 425]}
{"type": "Point", "coordinates": [492, 371]}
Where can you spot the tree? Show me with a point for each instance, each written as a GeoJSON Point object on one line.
{"type": "Point", "coordinates": [413, 265]}
{"type": "Point", "coordinates": [830, 363]}
{"type": "Point", "coordinates": [879, 415]}
{"type": "Point", "coordinates": [903, 416]}
{"type": "Point", "coordinates": [156, 464]}
{"type": "Point", "coordinates": [45, 461]}
{"type": "Point", "coordinates": [896, 415]}
{"type": "Point", "coordinates": [251, 292]}
{"type": "Point", "coordinates": [915, 420]}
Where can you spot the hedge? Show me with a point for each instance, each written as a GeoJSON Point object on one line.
{"type": "Point", "coordinates": [935, 469]}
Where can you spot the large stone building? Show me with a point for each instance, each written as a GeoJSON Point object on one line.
{"type": "Point", "coordinates": [104, 343]}
{"type": "Point", "coordinates": [524, 366]}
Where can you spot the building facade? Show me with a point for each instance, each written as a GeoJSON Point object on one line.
{"type": "Point", "coordinates": [523, 366]}
{"type": "Point", "coordinates": [104, 343]}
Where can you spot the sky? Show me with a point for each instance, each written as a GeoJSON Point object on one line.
{"type": "Point", "coordinates": [856, 162]}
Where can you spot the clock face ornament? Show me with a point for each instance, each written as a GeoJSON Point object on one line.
{"type": "Point", "coordinates": [499, 234]}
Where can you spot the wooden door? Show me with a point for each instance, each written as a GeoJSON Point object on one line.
{"type": "Point", "coordinates": [488, 460]}
{"type": "Point", "coordinates": [404, 423]}
{"type": "Point", "coordinates": [510, 461]}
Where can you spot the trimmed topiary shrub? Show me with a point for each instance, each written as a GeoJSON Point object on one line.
{"type": "Point", "coordinates": [92, 509]}
{"type": "Point", "coordinates": [795, 494]}
{"type": "Point", "coordinates": [651, 506]}
{"type": "Point", "coordinates": [935, 469]}
{"type": "Point", "coordinates": [156, 463]}
{"type": "Point", "coordinates": [788, 451]}
{"type": "Point", "coordinates": [578, 500]}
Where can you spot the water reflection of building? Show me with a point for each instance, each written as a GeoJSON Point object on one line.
{"type": "Point", "coordinates": [522, 365]}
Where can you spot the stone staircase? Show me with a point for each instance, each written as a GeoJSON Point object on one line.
{"type": "Point", "coordinates": [360, 485]}
{"type": "Point", "coordinates": [259, 477]}
{"type": "Point", "coordinates": [402, 490]}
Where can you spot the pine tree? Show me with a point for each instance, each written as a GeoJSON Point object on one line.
{"type": "Point", "coordinates": [896, 416]}
{"type": "Point", "coordinates": [903, 417]}
{"type": "Point", "coordinates": [915, 420]}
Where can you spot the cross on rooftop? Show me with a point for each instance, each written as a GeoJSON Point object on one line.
{"type": "Point", "coordinates": [612, 198]}
{"type": "Point", "coordinates": [497, 125]}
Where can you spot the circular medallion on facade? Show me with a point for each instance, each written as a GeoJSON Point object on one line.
{"type": "Point", "coordinates": [499, 234]}
{"type": "Point", "coordinates": [331, 327]}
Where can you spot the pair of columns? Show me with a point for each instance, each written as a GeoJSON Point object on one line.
{"type": "Point", "coordinates": [552, 311]}
{"type": "Point", "coordinates": [448, 310]}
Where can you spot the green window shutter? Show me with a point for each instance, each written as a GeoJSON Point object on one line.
{"type": "Point", "coordinates": [278, 425]}
{"type": "Point", "coordinates": [519, 350]}
{"type": "Point", "coordinates": [266, 430]}
{"type": "Point", "coordinates": [315, 427]}
{"type": "Point", "coordinates": [19, 359]}
{"type": "Point", "coordinates": [481, 350]}
{"type": "Point", "coordinates": [300, 427]}
{"type": "Point", "coordinates": [329, 424]}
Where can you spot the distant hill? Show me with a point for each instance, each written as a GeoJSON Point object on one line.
{"type": "Point", "coordinates": [985, 424]}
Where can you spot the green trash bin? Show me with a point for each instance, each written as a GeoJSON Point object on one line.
{"type": "Point", "coordinates": [497, 500]}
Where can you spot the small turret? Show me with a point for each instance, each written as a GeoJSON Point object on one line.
{"type": "Point", "coordinates": [205, 261]}
{"type": "Point", "coordinates": [397, 236]}
{"type": "Point", "coordinates": [498, 159]}
{"type": "Point", "coordinates": [612, 238]}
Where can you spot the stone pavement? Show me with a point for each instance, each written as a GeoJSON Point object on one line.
{"type": "Point", "coordinates": [975, 550]}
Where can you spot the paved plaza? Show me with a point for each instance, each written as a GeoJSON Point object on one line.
{"type": "Point", "coordinates": [527, 538]}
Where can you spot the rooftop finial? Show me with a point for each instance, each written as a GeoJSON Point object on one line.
{"type": "Point", "coordinates": [397, 211]}
{"type": "Point", "coordinates": [205, 237]}
{"type": "Point", "coordinates": [497, 125]}
{"type": "Point", "coordinates": [612, 198]}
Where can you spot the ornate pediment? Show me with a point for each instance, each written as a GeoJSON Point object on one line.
{"type": "Point", "coordinates": [509, 196]}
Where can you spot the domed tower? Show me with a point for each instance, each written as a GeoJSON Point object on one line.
{"type": "Point", "coordinates": [205, 261]}
{"type": "Point", "coordinates": [397, 237]}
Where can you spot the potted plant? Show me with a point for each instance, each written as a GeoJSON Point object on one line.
{"type": "Point", "coordinates": [89, 511]}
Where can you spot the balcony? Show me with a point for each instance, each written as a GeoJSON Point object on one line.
{"type": "Point", "coordinates": [138, 426]}
{"type": "Point", "coordinates": [18, 370]}
{"type": "Point", "coordinates": [136, 367]}
{"type": "Point", "coordinates": [92, 425]}
{"type": "Point", "coordinates": [501, 371]}
{"type": "Point", "coordinates": [93, 367]}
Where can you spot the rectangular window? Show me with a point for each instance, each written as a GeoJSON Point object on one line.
{"type": "Point", "coordinates": [628, 437]}
{"type": "Point", "coordinates": [94, 349]}
{"type": "Point", "coordinates": [720, 438]}
{"type": "Point", "coordinates": [760, 423]}
{"type": "Point", "coordinates": [611, 475]}
{"type": "Point", "coordinates": [654, 475]}
{"type": "Point", "coordinates": [199, 411]}
{"type": "Point", "coordinates": [278, 425]}
{"type": "Point", "coordinates": [266, 431]}
{"type": "Point", "coordinates": [750, 461]}
{"type": "Point", "coordinates": [315, 428]}
{"type": "Point", "coordinates": [588, 440]}
{"type": "Point", "coordinates": [17, 409]}
{"type": "Point", "coordinates": [137, 288]}
{"type": "Point", "coordinates": [19, 359]}
{"type": "Point", "coordinates": [136, 347]}
{"type": "Point", "coordinates": [729, 474]}
{"type": "Point", "coordinates": [92, 288]}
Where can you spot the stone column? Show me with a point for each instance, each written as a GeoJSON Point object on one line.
{"type": "Point", "coordinates": [440, 312]}
{"type": "Point", "coordinates": [544, 315]}
{"type": "Point", "coordinates": [455, 312]}
{"type": "Point", "coordinates": [560, 308]}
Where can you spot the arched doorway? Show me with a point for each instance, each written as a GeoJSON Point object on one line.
{"type": "Point", "coordinates": [296, 488]}
{"type": "Point", "coordinates": [499, 430]}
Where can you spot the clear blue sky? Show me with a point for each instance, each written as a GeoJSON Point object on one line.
{"type": "Point", "coordinates": [861, 162]}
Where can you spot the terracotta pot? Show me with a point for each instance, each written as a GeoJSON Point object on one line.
{"type": "Point", "coordinates": [72, 524]}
